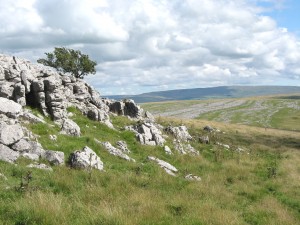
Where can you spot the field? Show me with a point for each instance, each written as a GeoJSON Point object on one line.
{"type": "Point", "coordinates": [258, 185]}
{"type": "Point", "coordinates": [281, 112]}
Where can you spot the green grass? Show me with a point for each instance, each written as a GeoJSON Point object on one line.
{"type": "Point", "coordinates": [236, 188]}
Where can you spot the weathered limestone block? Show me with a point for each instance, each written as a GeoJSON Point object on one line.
{"type": "Point", "coordinates": [171, 170]}
{"type": "Point", "coordinates": [10, 108]}
{"type": "Point", "coordinates": [7, 154]}
{"type": "Point", "coordinates": [86, 158]}
{"type": "Point", "coordinates": [69, 127]}
{"type": "Point", "coordinates": [10, 134]}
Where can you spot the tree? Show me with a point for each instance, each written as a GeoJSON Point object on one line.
{"type": "Point", "coordinates": [69, 61]}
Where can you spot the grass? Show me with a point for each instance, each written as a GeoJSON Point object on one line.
{"type": "Point", "coordinates": [236, 188]}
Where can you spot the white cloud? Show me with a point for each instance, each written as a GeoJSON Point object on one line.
{"type": "Point", "coordinates": [148, 45]}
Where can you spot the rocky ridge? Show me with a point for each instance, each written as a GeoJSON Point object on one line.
{"type": "Point", "coordinates": [27, 84]}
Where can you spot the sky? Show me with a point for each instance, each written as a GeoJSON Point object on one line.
{"type": "Point", "coordinates": [154, 45]}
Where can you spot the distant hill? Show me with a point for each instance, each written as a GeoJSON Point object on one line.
{"type": "Point", "coordinates": [209, 93]}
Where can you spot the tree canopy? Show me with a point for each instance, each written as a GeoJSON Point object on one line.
{"type": "Point", "coordinates": [70, 61]}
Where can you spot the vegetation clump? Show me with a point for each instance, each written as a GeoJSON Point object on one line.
{"type": "Point", "coordinates": [70, 61]}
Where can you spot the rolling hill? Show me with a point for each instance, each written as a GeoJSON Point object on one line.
{"type": "Point", "coordinates": [209, 93]}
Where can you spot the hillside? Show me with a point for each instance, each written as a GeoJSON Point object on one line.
{"type": "Point", "coordinates": [69, 156]}
{"type": "Point", "coordinates": [210, 93]}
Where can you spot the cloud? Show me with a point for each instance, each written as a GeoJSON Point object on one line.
{"type": "Point", "coordinates": [151, 45]}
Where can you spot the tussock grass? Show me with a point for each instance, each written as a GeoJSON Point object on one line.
{"type": "Point", "coordinates": [236, 188]}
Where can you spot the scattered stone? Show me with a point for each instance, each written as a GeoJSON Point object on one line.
{"type": "Point", "coordinates": [171, 170]}
{"type": "Point", "coordinates": [208, 129]}
{"type": "Point", "coordinates": [123, 146]}
{"type": "Point", "coordinates": [40, 166]}
{"type": "Point", "coordinates": [86, 158]}
{"type": "Point", "coordinates": [223, 145]}
{"type": "Point", "coordinates": [204, 139]}
{"type": "Point", "coordinates": [168, 150]}
{"type": "Point", "coordinates": [114, 151]}
{"type": "Point", "coordinates": [184, 148]}
{"type": "Point", "coordinates": [53, 137]}
{"type": "Point", "coordinates": [55, 157]}
{"type": "Point", "coordinates": [69, 127]}
{"type": "Point", "coordinates": [192, 177]}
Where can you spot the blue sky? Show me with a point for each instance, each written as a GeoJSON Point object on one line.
{"type": "Point", "coordinates": [154, 45]}
{"type": "Point", "coordinates": [287, 14]}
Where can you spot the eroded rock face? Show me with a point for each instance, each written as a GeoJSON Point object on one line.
{"type": "Point", "coordinates": [86, 158]}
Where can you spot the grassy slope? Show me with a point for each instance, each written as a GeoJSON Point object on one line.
{"type": "Point", "coordinates": [236, 188]}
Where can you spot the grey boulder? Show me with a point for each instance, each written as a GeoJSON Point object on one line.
{"type": "Point", "coordinates": [10, 134]}
{"type": "Point", "coordinates": [86, 158]}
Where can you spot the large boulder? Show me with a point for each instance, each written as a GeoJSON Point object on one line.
{"type": "Point", "coordinates": [10, 134]}
{"type": "Point", "coordinates": [10, 108]}
{"type": "Point", "coordinates": [85, 158]}
{"type": "Point", "coordinates": [7, 154]}
{"type": "Point", "coordinates": [54, 157]}
{"type": "Point", "coordinates": [69, 127]}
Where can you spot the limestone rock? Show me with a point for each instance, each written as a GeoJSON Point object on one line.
{"type": "Point", "coordinates": [10, 108]}
{"type": "Point", "coordinates": [10, 134]}
{"type": "Point", "coordinates": [40, 166]}
{"type": "Point", "coordinates": [192, 177]}
{"type": "Point", "coordinates": [208, 128]}
{"type": "Point", "coordinates": [148, 134]}
{"type": "Point", "coordinates": [204, 139]}
{"type": "Point", "coordinates": [166, 166]}
{"type": "Point", "coordinates": [22, 146]}
{"type": "Point", "coordinates": [7, 154]}
{"type": "Point", "coordinates": [123, 146]}
{"type": "Point", "coordinates": [126, 107]}
{"type": "Point", "coordinates": [184, 148]}
{"type": "Point", "coordinates": [86, 158]}
{"type": "Point", "coordinates": [181, 133]}
{"type": "Point", "coordinates": [69, 127]}
{"type": "Point", "coordinates": [27, 115]}
{"type": "Point", "coordinates": [117, 152]}
{"type": "Point", "coordinates": [168, 150]}
{"type": "Point", "coordinates": [54, 157]}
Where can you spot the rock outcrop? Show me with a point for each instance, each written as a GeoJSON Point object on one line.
{"type": "Point", "coordinates": [148, 133]}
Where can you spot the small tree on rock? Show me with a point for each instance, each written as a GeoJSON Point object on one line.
{"type": "Point", "coordinates": [70, 61]}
